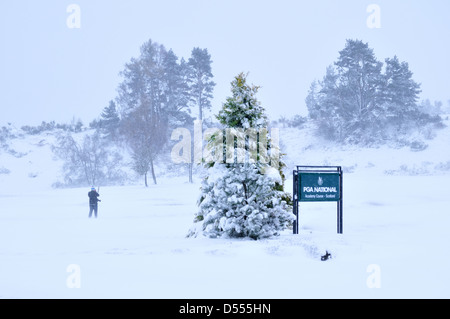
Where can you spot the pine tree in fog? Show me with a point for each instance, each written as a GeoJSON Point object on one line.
{"type": "Point", "coordinates": [198, 76]}
{"type": "Point", "coordinates": [154, 99]}
{"type": "Point", "coordinates": [144, 109]}
{"type": "Point", "coordinates": [200, 80]}
{"type": "Point", "coordinates": [357, 103]}
{"type": "Point", "coordinates": [400, 93]}
{"type": "Point", "coordinates": [359, 81]}
{"type": "Point", "coordinates": [176, 91]}
{"type": "Point", "coordinates": [109, 121]}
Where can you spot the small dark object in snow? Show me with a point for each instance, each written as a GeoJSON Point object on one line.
{"type": "Point", "coordinates": [326, 256]}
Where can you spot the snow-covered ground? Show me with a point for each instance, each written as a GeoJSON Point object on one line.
{"type": "Point", "coordinates": [395, 241]}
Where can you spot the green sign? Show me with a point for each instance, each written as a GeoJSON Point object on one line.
{"type": "Point", "coordinates": [318, 187]}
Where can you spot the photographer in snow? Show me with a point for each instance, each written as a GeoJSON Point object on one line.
{"type": "Point", "coordinates": [93, 202]}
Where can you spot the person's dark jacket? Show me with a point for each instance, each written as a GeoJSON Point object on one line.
{"type": "Point", "coordinates": [93, 198]}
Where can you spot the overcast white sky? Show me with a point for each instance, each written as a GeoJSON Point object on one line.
{"type": "Point", "coordinates": [51, 72]}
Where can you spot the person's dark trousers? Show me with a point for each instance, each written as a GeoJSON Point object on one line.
{"type": "Point", "coordinates": [93, 208]}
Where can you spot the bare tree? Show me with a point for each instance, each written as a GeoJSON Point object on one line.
{"type": "Point", "coordinates": [89, 161]}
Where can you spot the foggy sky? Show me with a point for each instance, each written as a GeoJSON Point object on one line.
{"type": "Point", "coordinates": [52, 72]}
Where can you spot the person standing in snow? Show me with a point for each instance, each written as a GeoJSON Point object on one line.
{"type": "Point", "coordinates": [93, 202]}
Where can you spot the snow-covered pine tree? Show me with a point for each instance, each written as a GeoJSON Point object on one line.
{"type": "Point", "coordinates": [243, 199]}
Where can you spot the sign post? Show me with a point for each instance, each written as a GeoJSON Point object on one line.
{"type": "Point", "coordinates": [318, 184]}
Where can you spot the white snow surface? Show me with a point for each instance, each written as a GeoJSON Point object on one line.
{"type": "Point", "coordinates": [396, 232]}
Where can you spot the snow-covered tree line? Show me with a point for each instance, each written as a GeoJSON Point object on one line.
{"type": "Point", "coordinates": [362, 101]}
{"type": "Point", "coordinates": [158, 93]}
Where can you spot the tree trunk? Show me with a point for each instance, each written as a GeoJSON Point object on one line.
{"type": "Point", "coordinates": [145, 176]}
{"type": "Point", "coordinates": [200, 111]}
{"type": "Point", "coordinates": [190, 172]}
{"type": "Point", "coordinates": [153, 171]}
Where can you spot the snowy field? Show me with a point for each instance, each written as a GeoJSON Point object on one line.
{"type": "Point", "coordinates": [137, 247]}
{"type": "Point", "coordinates": [395, 241]}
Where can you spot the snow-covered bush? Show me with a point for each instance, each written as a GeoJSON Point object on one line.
{"type": "Point", "coordinates": [239, 201]}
